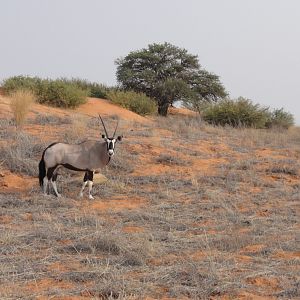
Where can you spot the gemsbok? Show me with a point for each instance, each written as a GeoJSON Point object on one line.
{"type": "Point", "coordinates": [87, 157]}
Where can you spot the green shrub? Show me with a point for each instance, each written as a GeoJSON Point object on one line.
{"type": "Point", "coordinates": [15, 83]}
{"type": "Point", "coordinates": [96, 90]}
{"type": "Point", "coordinates": [81, 83]}
{"type": "Point", "coordinates": [280, 119]}
{"type": "Point", "coordinates": [136, 102]}
{"type": "Point", "coordinates": [237, 113]}
{"type": "Point", "coordinates": [59, 92]}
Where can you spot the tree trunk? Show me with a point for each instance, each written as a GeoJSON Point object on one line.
{"type": "Point", "coordinates": [163, 109]}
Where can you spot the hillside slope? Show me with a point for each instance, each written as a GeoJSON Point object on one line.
{"type": "Point", "coordinates": [185, 210]}
{"type": "Point", "coordinates": [92, 108]}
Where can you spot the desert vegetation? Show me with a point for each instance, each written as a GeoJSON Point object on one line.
{"type": "Point", "coordinates": [136, 102]}
{"type": "Point", "coordinates": [279, 118]}
{"type": "Point", "coordinates": [244, 113]}
{"type": "Point", "coordinates": [59, 92]}
{"type": "Point", "coordinates": [166, 73]}
{"type": "Point", "coordinates": [184, 210]}
{"type": "Point", "coordinates": [208, 97]}
{"type": "Point", "coordinates": [52, 92]}
{"type": "Point", "coordinates": [70, 93]}
{"type": "Point", "coordinates": [20, 103]}
{"type": "Point", "coordinates": [94, 89]}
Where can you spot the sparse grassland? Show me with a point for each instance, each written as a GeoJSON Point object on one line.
{"type": "Point", "coordinates": [188, 211]}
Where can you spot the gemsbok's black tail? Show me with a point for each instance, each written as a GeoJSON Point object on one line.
{"type": "Point", "coordinates": [42, 171]}
{"type": "Point", "coordinates": [42, 166]}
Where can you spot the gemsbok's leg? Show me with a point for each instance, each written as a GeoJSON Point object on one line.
{"type": "Point", "coordinates": [85, 181]}
{"type": "Point", "coordinates": [90, 189]}
{"type": "Point", "coordinates": [50, 174]}
{"type": "Point", "coordinates": [53, 182]}
{"type": "Point", "coordinates": [45, 184]}
{"type": "Point", "coordinates": [90, 182]}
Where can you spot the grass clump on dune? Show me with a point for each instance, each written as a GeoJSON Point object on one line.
{"type": "Point", "coordinates": [20, 102]}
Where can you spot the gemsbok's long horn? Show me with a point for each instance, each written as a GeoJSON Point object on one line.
{"type": "Point", "coordinates": [116, 129]}
{"type": "Point", "coordinates": [103, 126]}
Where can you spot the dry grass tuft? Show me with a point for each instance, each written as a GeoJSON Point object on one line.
{"type": "Point", "coordinates": [288, 166]}
{"type": "Point", "coordinates": [22, 156]}
{"type": "Point", "coordinates": [48, 119]}
{"type": "Point", "coordinates": [20, 103]}
{"type": "Point", "coordinates": [77, 131]}
{"type": "Point", "coordinates": [167, 159]}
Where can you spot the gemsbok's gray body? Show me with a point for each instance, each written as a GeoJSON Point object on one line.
{"type": "Point", "coordinates": [87, 157]}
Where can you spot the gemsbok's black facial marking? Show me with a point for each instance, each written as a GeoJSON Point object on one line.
{"type": "Point", "coordinates": [110, 146]}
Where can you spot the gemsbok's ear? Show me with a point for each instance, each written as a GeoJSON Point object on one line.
{"type": "Point", "coordinates": [119, 138]}
{"type": "Point", "coordinates": [103, 136]}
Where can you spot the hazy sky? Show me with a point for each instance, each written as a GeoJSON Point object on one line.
{"type": "Point", "coordinates": [253, 45]}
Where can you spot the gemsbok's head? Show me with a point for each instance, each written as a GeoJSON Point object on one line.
{"type": "Point", "coordinates": [110, 141]}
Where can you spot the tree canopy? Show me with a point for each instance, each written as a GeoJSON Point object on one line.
{"type": "Point", "coordinates": [168, 73]}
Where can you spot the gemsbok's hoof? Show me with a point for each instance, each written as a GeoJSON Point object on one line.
{"type": "Point", "coordinates": [91, 197]}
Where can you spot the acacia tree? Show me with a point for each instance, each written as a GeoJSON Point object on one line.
{"type": "Point", "coordinates": [167, 73]}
